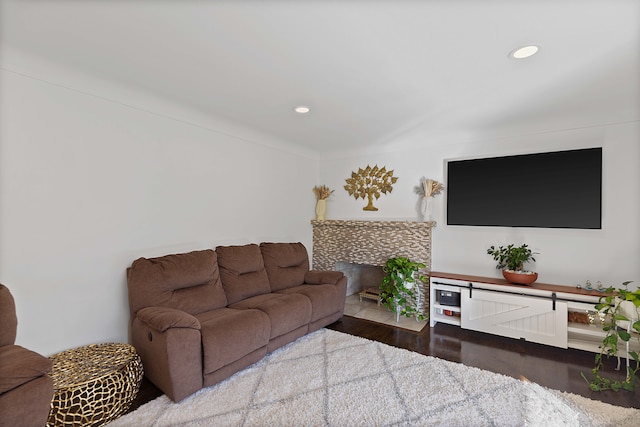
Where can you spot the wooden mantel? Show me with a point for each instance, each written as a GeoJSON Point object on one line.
{"type": "Point", "coordinates": [371, 243]}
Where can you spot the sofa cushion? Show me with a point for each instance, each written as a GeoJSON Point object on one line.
{"type": "Point", "coordinates": [242, 272]}
{"type": "Point", "coordinates": [285, 263]}
{"type": "Point", "coordinates": [20, 366]}
{"type": "Point", "coordinates": [189, 282]}
{"type": "Point", "coordinates": [325, 299]}
{"type": "Point", "coordinates": [286, 312]}
{"type": "Point", "coordinates": [228, 335]}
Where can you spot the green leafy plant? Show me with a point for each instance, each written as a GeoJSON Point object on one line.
{"type": "Point", "coordinates": [610, 307]}
{"type": "Point", "coordinates": [398, 289]}
{"type": "Point", "coordinates": [511, 257]}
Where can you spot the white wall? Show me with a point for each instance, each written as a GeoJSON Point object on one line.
{"type": "Point", "coordinates": [89, 184]}
{"type": "Point", "coordinates": [567, 257]}
{"type": "Point", "coordinates": [92, 179]}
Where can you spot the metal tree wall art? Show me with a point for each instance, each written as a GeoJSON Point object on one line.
{"type": "Point", "coordinates": [370, 182]}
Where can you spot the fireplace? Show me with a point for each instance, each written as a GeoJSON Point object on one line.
{"type": "Point", "coordinates": [360, 276]}
{"type": "Point", "coordinates": [371, 243]}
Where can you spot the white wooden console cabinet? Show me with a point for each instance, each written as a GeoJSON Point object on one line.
{"type": "Point", "coordinates": [537, 313]}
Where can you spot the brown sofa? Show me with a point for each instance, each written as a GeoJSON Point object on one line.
{"type": "Point", "coordinates": [26, 389]}
{"type": "Point", "coordinates": [199, 317]}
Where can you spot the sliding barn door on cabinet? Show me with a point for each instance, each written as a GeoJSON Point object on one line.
{"type": "Point", "coordinates": [540, 320]}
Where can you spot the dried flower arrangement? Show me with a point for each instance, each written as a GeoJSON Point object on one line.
{"type": "Point", "coordinates": [322, 192]}
{"type": "Point", "coordinates": [429, 188]}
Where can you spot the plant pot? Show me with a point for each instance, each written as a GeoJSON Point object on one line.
{"type": "Point", "coordinates": [520, 278]}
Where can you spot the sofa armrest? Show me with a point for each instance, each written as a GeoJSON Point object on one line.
{"type": "Point", "coordinates": [317, 277]}
{"type": "Point", "coordinates": [170, 346]}
{"type": "Point", "coordinates": [163, 318]}
{"type": "Point", "coordinates": [18, 366]}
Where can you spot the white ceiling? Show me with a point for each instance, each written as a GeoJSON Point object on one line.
{"type": "Point", "coordinates": [369, 70]}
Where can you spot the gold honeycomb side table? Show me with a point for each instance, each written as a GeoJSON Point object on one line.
{"type": "Point", "coordinates": [94, 384]}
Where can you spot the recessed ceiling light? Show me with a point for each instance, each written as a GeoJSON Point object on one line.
{"type": "Point", "coordinates": [524, 51]}
{"type": "Point", "coordinates": [302, 109]}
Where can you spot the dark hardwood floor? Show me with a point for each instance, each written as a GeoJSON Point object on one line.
{"type": "Point", "coordinates": [551, 367]}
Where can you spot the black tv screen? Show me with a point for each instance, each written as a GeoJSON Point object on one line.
{"type": "Point", "coordinates": [561, 189]}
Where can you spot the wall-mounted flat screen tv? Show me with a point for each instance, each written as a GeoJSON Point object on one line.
{"type": "Point", "coordinates": [561, 189]}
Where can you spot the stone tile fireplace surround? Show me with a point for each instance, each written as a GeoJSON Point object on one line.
{"type": "Point", "coordinates": [370, 243]}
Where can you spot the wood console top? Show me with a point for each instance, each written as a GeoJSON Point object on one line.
{"type": "Point", "coordinates": [503, 282]}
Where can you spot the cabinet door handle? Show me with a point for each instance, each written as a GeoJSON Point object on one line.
{"type": "Point", "coordinates": [470, 289]}
{"type": "Point", "coordinates": [553, 301]}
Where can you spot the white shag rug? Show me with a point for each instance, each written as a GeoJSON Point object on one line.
{"type": "Point", "coordinates": [329, 378]}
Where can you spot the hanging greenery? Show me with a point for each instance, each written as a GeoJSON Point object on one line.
{"type": "Point", "coordinates": [399, 289]}
{"type": "Point", "coordinates": [610, 305]}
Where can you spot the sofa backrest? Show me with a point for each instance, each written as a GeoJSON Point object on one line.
{"type": "Point", "coordinates": [8, 319]}
{"type": "Point", "coordinates": [286, 264]}
{"type": "Point", "coordinates": [189, 282]}
{"type": "Point", "coordinates": [242, 272]}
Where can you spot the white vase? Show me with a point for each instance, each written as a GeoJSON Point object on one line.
{"type": "Point", "coordinates": [427, 207]}
{"type": "Point", "coordinates": [321, 209]}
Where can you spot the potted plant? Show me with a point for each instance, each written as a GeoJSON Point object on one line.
{"type": "Point", "coordinates": [511, 260]}
{"type": "Point", "coordinates": [620, 309]}
{"type": "Point", "coordinates": [400, 286]}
